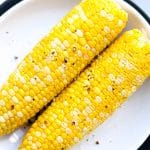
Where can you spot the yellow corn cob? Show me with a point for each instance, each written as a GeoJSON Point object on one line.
{"type": "Point", "coordinates": [94, 96]}
{"type": "Point", "coordinates": [57, 59]}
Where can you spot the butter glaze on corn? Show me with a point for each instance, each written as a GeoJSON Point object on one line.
{"type": "Point", "coordinates": [57, 59]}
{"type": "Point", "coordinates": [94, 96]}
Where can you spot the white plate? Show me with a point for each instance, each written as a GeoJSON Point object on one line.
{"type": "Point", "coordinates": [23, 25]}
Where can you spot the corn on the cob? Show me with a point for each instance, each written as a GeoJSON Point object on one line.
{"type": "Point", "coordinates": [57, 59]}
{"type": "Point", "coordinates": [94, 96]}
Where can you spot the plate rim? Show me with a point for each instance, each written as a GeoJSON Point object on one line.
{"type": "Point", "coordinates": [8, 4]}
{"type": "Point", "coordinates": [140, 10]}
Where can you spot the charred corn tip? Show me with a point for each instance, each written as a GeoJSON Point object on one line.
{"type": "Point", "coordinates": [93, 97]}
{"type": "Point", "coordinates": [58, 58]}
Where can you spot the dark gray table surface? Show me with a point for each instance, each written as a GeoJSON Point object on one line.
{"type": "Point", "coordinates": [145, 5]}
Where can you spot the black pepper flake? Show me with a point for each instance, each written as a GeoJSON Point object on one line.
{"type": "Point", "coordinates": [24, 127]}
{"type": "Point", "coordinates": [87, 140]}
{"type": "Point", "coordinates": [73, 123]}
{"type": "Point", "coordinates": [88, 89]}
{"type": "Point", "coordinates": [65, 60]}
{"type": "Point", "coordinates": [6, 32]}
{"type": "Point", "coordinates": [106, 106]}
{"type": "Point", "coordinates": [15, 57]}
{"type": "Point", "coordinates": [45, 122]}
{"type": "Point", "coordinates": [33, 99]}
{"type": "Point", "coordinates": [62, 148]}
{"type": "Point", "coordinates": [97, 142]}
{"type": "Point", "coordinates": [53, 53]}
{"type": "Point", "coordinates": [12, 107]}
{"type": "Point", "coordinates": [75, 30]}
{"type": "Point", "coordinates": [73, 64]}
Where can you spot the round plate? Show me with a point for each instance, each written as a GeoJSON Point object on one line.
{"type": "Point", "coordinates": [24, 25]}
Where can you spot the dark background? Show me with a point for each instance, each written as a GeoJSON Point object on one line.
{"type": "Point", "coordinates": [146, 145]}
{"type": "Point", "coordinates": [10, 3]}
